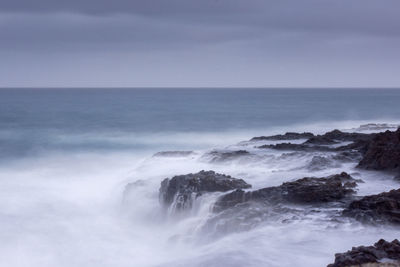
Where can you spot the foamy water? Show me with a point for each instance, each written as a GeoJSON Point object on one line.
{"type": "Point", "coordinates": [70, 209]}
{"type": "Point", "coordinates": [67, 155]}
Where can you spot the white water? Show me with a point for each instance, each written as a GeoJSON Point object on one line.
{"type": "Point", "coordinates": [70, 210]}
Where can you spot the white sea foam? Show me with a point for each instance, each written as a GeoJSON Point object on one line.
{"type": "Point", "coordinates": [69, 209]}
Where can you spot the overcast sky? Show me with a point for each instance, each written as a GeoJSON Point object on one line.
{"type": "Point", "coordinates": [196, 43]}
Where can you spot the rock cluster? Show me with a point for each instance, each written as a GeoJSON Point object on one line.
{"type": "Point", "coordinates": [383, 152]}
{"type": "Point", "coordinates": [382, 251]}
{"type": "Point", "coordinates": [182, 188]}
{"type": "Point", "coordinates": [307, 190]}
{"type": "Point", "coordinates": [380, 208]}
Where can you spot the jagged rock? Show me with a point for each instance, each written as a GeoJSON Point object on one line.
{"type": "Point", "coordinates": [382, 253]}
{"type": "Point", "coordinates": [181, 189]}
{"type": "Point", "coordinates": [173, 154]}
{"type": "Point", "coordinates": [286, 136]}
{"type": "Point", "coordinates": [320, 140]}
{"type": "Point", "coordinates": [298, 147]}
{"type": "Point", "coordinates": [307, 190]}
{"type": "Point", "coordinates": [383, 152]}
{"type": "Point", "coordinates": [335, 136]}
{"type": "Point", "coordinates": [380, 208]}
{"type": "Point", "coordinates": [344, 136]}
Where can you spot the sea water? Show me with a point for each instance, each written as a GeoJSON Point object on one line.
{"type": "Point", "coordinates": [66, 156]}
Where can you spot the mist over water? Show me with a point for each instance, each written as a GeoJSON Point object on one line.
{"type": "Point", "coordinates": [66, 156]}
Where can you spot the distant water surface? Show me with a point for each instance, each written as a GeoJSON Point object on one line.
{"type": "Point", "coordinates": [35, 119]}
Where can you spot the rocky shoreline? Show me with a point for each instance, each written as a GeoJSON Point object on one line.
{"type": "Point", "coordinates": [373, 151]}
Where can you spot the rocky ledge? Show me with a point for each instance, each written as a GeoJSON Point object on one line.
{"type": "Point", "coordinates": [383, 152]}
{"type": "Point", "coordinates": [376, 209]}
{"type": "Point", "coordinates": [181, 189]}
{"type": "Point", "coordinates": [307, 190]}
{"type": "Point", "coordinates": [286, 136]}
{"type": "Point", "coordinates": [359, 142]}
{"type": "Point", "coordinates": [382, 253]}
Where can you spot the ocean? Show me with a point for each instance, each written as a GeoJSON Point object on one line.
{"type": "Point", "coordinates": [67, 154]}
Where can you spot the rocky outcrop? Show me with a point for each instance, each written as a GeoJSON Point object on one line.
{"type": "Point", "coordinates": [298, 147]}
{"type": "Point", "coordinates": [182, 189]}
{"type": "Point", "coordinates": [360, 142]}
{"type": "Point", "coordinates": [380, 208]}
{"type": "Point", "coordinates": [321, 140]}
{"type": "Point", "coordinates": [382, 253]}
{"type": "Point", "coordinates": [286, 136]}
{"type": "Point", "coordinates": [383, 152]}
{"type": "Point", "coordinates": [307, 190]}
{"type": "Point", "coordinates": [344, 136]}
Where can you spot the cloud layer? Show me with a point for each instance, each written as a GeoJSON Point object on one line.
{"type": "Point", "coordinates": [200, 43]}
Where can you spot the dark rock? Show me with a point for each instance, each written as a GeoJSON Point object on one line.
{"type": "Point", "coordinates": [383, 152]}
{"type": "Point", "coordinates": [173, 154]}
{"type": "Point", "coordinates": [336, 136]}
{"type": "Point", "coordinates": [380, 208]}
{"type": "Point", "coordinates": [344, 136]}
{"type": "Point", "coordinates": [298, 147]}
{"type": "Point", "coordinates": [360, 146]}
{"type": "Point", "coordinates": [308, 190]}
{"type": "Point", "coordinates": [181, 189]}
{"type": "Point", "coordinates": [358, 256]}
{"type": "Point", "coordinates": [320, 140]}
{"type": "Point", "coordinates": [286, 136]}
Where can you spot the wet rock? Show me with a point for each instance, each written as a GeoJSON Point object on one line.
{"type": "Point", "coordinates": [344, 136]}
{"type": "Point", "coordinates": [217, 156]}
{"type": "Point", "coordinates": [376, 209]}
{"type": "Point", "coordinates": [182, 189]}
{"type": "Point", "coordinates": [286, 136]}
{"type": "Point", "coordinates": [383, 152]}
{"type": "Point", "coordinates": [382, 253]}
{"type": "Point", "coordinates": [308, 190]}
{"type": "Point", "coordinates": [173, 154]}
{"type": "Point", "coordinates": [320, 140]}
{"type": "Point", "coordinates": [320, 163]}
{"type": "Point", "coordinates": [298, 147]}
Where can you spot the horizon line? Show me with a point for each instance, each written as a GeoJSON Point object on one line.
{"type": "Point", "coordinates": [195, 87]}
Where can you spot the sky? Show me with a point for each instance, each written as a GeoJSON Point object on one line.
{"type": "Point", "coordinates": [200, 43]}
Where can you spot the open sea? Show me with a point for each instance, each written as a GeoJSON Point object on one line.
{"type": "Point", "coordinates": [66, 156]}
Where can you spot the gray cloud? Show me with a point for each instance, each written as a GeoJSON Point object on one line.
{"type": "Point", "coordinates": [200, 43]}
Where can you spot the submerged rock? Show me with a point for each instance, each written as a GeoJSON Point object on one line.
{"type": "Point", "coordinates": [383, 152]}
{"type": "Point", "coordinates": [286, 136]}
{"type": "Point", "coordinates": [308, 190]}
{"type": "Point", "coordinates": [180, 190]}
{"type": "Point", "coordinates": [380, 208]}
{"type": "Point", "coordinates": [382, 253]}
